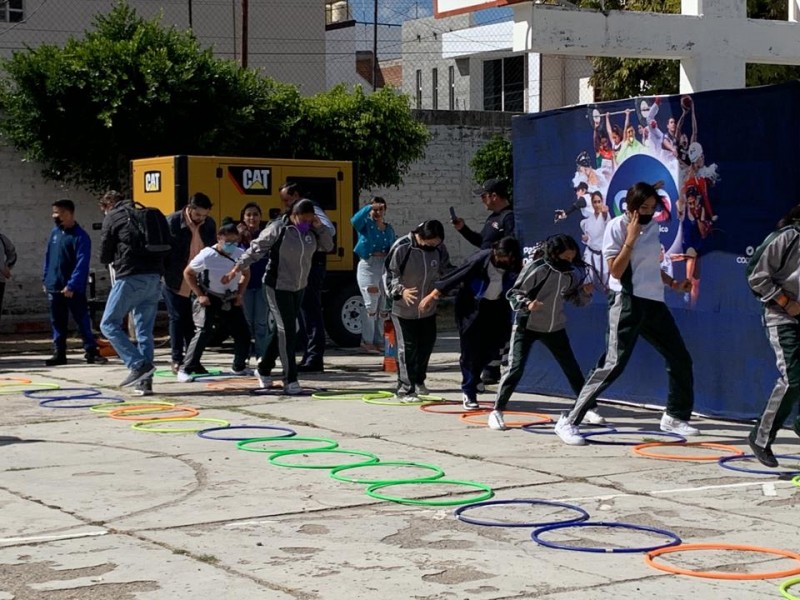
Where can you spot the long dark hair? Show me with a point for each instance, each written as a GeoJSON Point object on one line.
{"type": "Point", "coordinates": [508, 247]}
{"type": "Point", "coordinates": [430, 230]}
{"type": "Point", "coordinates": [790, 217]}
{"type": "Point", "coordinates": [638, 194]}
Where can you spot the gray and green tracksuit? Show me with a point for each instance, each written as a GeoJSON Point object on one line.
{"type": "Point", "coordinates": [775, 270]}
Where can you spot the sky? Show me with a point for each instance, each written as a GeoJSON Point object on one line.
{"type": "Point", "coordinates": [397, 11]}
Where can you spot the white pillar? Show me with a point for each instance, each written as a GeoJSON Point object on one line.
{"type": "Point", "coordinates": [711, 72]}
{"type": "Point", "coordinates": [794, 11]}
{"type": "Point", "coordinates": [534, 100]}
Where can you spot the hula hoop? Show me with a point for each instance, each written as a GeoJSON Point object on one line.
{"type": "Point", "coordinates": [233, 383]}
{"type": "Point", "coordinates": [92, 392]}
{"type": "Point", "coordinates": [469, 417]}
{"type": "Point", "coordinates": [535, 536]}
{"type": "Point", "coordinates": [641, 450]}
{"type": "Point", "coordinates": [723, 462]}
{"type": "Point", "coordinates": [107, 400]}
{"type": "Point", "coordinates": [335, 473]}
{"type": "Point", "coordinates": [372, 491]}
{"type": "Point", "coordinates": [592, 434]}
{"type": "Point", "coordinates": [204, 433]}
{"type": "Point", "coordinates": [275, 459]}
{"type": "Point", "coordinates": [17, 379]}
{"type": "Point", "coordinates": [429, 408]}
{"type": "Point", "coordinates": [717, 574]}
{"type": "Point", "coordinates": [375, 399]}
{"type": "Point", "coordinates": [328, 444]}
{"type": "Point", "coordinates": [537, 428]}
{"type": "Point", "coordinates": [109, 406]}
{"type": "Point", "coordinates": [351, 394]}
{"type": "Point", "coordinates": [784, 588]}
{"type": "Point", "coordinates": [459, 513]}
{"type": "Point", "coordinates": [796, 481]}
{"type": "Point", "coordinates": [168, 374]}
{"type": "Point", "coordinates": [149, 425]}
{"type": "Point", "coordinates": [14, 388]}
{"type": "Point", "coordinates": [134, 413]}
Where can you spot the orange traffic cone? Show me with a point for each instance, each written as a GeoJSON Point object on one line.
{"type": "Point", "coordinates": [389, 347]}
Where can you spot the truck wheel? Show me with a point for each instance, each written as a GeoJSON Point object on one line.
{"type": "Point", "coordinates": [343, 316]}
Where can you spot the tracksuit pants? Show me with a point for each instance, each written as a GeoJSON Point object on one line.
{"type": "Point", "coordinates": [205, 317]}
{"type": "Point", "coordinates": [628, 318]}
{"type": "Point", "coordinates": [285, 308]}
{"type": "Point", "coordinates": [312, 322]}
{"type": "Point", "coordinates": [481, 339]}
{"type": "Point", "coordinates": [785, 342]}
{"type": "Point", "coordinates": [60, 309]}
{"type": "Point", "coordinates": [415, 341]}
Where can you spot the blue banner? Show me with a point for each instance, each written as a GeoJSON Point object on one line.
{"type": "Point", "coordinates": [728, 161]}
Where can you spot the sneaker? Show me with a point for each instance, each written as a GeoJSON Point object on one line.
{"type": "Point", "coordinates": [293, 389]}
{"type": "Point", "coordinates": [93, 357]}
{"type": "Point", "coordinates": [480, 388]}
{"type": "Point", "coordinates": [144, 387]}
{"type": "Point", "coordinates": [264, 381]}
{"type": "Point", "coordinates": [593, 417]}
{"type": "Point", "coordinates": [136, 375]}
{"type": "Point", "coordinates": [55, 360]}
{"type": "Point", "coordinates": [200, 370]}
{"type": "Point", "coordinates": [422, 390]}
{"type": "Point", "coordinates": [469, 403]}
{"type": "Point", "coordinates": [243, 372]}
{"type": "Point", "coordinates": [763, 455]}
{"type": "Point", "coordinates": [411, 398]}
{"type": "Point", "coordinates": [568, 432]}
{"type": "Point", "coordinates": [490, 375]}
{"type": "Point", "coordinates": [496, 421]}
{"type": "Point", "coordinates": [185, 377]}
{"type": "Point", "coordinates": [673, 425]}
{"type": "Point", "coordinates": [311, 368]}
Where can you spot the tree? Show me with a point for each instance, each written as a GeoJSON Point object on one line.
{"type": "Point", "coordinates": [493, 160]}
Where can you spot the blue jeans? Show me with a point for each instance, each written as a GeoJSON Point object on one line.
{"type": "Point", "coordinates": [256, 311]}
{"type": "Point", "coordinates": [137, 294]}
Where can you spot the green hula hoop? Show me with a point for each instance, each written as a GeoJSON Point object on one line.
{"type": "Point", "coordinates": [796, 480]}
{"type": "Point", "coordinates": [485, 495]}
{"type": "Point", "coordinates": [437, 472]}
{"type": "Point", "coordinates": [152, 426]}
{"type": "Point", "coordinates": [350, 394]}
{"type": "Point", "coordinates": [784, 587]}
{"type": "Point", "coordinates": [375, 399]}
{"type": "Point", "coordinates": [328, 444]}
{"type": "Point", "coordinates": [15, 388]}
{"type": "Point", "coordinates": [109, 406]}
{"type": "Point", "coordinates": [168, 374]}
{"type": "Point", "coordinates": [275, 458]}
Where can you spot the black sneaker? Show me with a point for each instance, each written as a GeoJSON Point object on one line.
{"type": "Point", "coordinates": [198, 370]}
{"type": "Point", "coordinates": [764, 455]}
{"type": "Point", "coordinates": [311, 368]}
{"type": "Point", "coordinates": [490, 375]}
{"type": "Point", "coordinates": [144, 387]}
{"type": "Point", "coordinates": [55, 360]}
{"type": "Point", "coordinates": [136, 375]}
{"type": "Point", "coordinates": [93, 357]}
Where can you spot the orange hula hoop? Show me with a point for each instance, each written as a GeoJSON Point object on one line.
{"type": "Point", "coordinates": [648, 559]}
{"type": "Point", "coordinates": [15, 380]}
{"type": "Point", "coordinates": [133, 413]}
{"type": "Point", "coordinates": [640, 449]}
{"type": "Point", "coordinates": [471, 417]}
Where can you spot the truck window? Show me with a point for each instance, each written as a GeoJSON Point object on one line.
{"type": "Point", "coordinates": [321, 190]}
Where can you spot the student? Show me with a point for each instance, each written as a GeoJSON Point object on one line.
{"type": "Point", "coordinates": [291, 240]}
{"type": "Point", "coordinates": [8, 258]}
{"type": "Point", "coordinates": [415, 262]}
{"type": "Point", "coordinates": [774, 276]}
{"type": "Point", "coordinates": [481, 310]}
{"type": "Point", "coordinates": [215, 301]}
{"type": "Point", "coordinates": [256, 309]}
{"type": "Point", "coordinates": [631, 248]}
{"type": "Point", "coordinates": [538, 297]}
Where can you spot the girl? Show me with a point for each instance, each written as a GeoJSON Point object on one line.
{"type": "Point", "coordinates": [594, 227]}
{"type": "Point", "coordinates": [256, 309]}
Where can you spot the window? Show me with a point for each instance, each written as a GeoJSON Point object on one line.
{"type": "Point", "coordinates": [419, 88]}
{"type": "Point", "coordinates": [451, 87]}
{"type": "Point", "coordinates": [504, 84]}
{"type": "Point", "coordinates": [11, 11]}
{"type": "Point", "coordinates": [435, 88]}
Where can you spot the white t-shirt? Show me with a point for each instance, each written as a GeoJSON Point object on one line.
{"type": "Point", "coordinates": [210, 266]}
{"type": "Point", "coordinates": [644, 262]}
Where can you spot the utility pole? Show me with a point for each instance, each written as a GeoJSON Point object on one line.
{"type": "Point", "coordinates": [244, 33]}
{"type": "Point", "coordinates": [375, 46]}
{"type": "Point", "coordinates": [190, 14]}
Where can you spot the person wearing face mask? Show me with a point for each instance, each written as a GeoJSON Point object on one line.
{"type": "Point", "coordinates": [538, 296]}
{"type": "Point", "coordinates": [480, 309]}
{"type": "Point", "coordinates": [291, 241]}
{"type": "Point", "coordinates": [414, 263]}
{"type": "Point", "coordinates": [632, 249]}
{"type": "Point", "coordinates": [256, 308]}
{"type": "Point", "coordinates": [192, 229]}
{"type": "Point", "coordinates": [215, 301]}
{"type": "Point", "coordinates": [66, 272]}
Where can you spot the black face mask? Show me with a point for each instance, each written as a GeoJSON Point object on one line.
{"type": "Point", "coordinates": [645, 219]}
{"type": "Point", "coordinates": [58, 221]}
{"type": "Point", "coordinates": [561, 265]}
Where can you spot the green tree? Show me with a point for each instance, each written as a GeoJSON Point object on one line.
{"type": "Point", "coordinates": [493, 160]}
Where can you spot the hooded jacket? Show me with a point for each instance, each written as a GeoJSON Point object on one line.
{"type": "Point", "coordinates": [410, 266]}
{"type": "Point", "coordinates": [775, 271]}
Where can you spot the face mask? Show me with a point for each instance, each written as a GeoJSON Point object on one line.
{"type": "Point", "coordinates": [57, 221]}
{"type": "Point", "coordinates": [229, 247]}
{"type": "Point", "coordinates": [645, 219]}
{"type": "Point", "coordinates": [303, 227]}
{"type": "Point", "coordinates": [429, 248]}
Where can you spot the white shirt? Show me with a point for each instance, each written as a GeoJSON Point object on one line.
{"type": "Point", "coordinates": [594, 227]}
{"type": "Point", "coordinates": [210, 266]}
{"type": "Point", "coordinates": [644, 261]}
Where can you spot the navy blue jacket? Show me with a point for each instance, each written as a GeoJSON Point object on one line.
{"type": "Point", "coordinates": [66, 260]}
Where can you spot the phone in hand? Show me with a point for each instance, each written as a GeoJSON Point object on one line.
{"type": "Point", "coordinates": [453, 216]}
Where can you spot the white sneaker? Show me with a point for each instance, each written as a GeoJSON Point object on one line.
{"type": "Point", "coordinates": [184, 377]}
{"type": "Point", "coordinates": [293, 389]}
{"type": "Point", "coordinates": [568, 433]}
{"type": "Point", "coordinates": [469, 403]}
{"type": "Point", "coordinates": [496, 421]}
{"type": "Point", "coordinates": [410, 398]}
{"type": "Point", "coordinates": [265, 381]}
{"type": "Point", "coordinates": [593, 417]}
{"type": "Point", "coordinates": [673, 425]}
{"type": "Point", "coordinates": [422, 390]}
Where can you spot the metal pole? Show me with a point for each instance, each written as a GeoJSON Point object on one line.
{"type": "Point", "coordinates": [233, 22]}
{"type": "Point", "coordinates": [244, 33]}
{"type": "Point", "coordinates": [375, 46]}
{"type": "Point", "coordinates": [190, 14]}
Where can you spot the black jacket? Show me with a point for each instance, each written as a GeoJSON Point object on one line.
{"type": "Point", "coordinates": [181, 241]}
{"type": "Point", "coordinates": [115, 246]}
{"type": "Point", "coordinates": [498, 225]}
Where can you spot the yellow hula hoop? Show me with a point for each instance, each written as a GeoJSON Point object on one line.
{"type": "Point", "coordinates": [152, 426]}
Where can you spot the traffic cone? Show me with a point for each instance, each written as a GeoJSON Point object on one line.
{"type": "Point", "coordinates": [389, 347]}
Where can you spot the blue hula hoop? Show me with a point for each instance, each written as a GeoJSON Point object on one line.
{"type": "Point", "coordinates": [92, 393]}
{"type": "Point", "coordinates": [723, 462]}
{"type": "Point", "coordinates": [588, 436]}
{"type": "Point", "coordinates": [535, 536]}
{"type": "Point", "coordinates": [93, 399]}
{"type": "Point", "coordinates": [549, 428]}
{"type": "Point", "coordinates": [459, 513]}
{"type": "Point", "coordinates": [203, 433]}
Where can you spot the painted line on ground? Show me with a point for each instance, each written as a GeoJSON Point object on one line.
{"type": "Point", "coordinates": [52, 538]}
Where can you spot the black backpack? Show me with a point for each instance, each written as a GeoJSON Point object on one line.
{"type": "Point", "coordinates": [148, 231]}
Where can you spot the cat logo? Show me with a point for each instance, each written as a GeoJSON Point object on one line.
{"type": "Point", "coordinates": [152, 181]}
{"type": "Point", "coordinates": [253, 180]}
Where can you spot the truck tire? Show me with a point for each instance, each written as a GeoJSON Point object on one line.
{"type": "Point", "coordinates": [343, 310]}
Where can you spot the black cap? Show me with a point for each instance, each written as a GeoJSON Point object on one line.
{"type": "Point", "coordinates": [493, 186]}
{"type": "Point", "coordinates": [582, 185]}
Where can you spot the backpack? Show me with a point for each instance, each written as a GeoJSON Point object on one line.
{"type": "Point", "coordinates": [751, 263]}
{"type": "Point", "coordinates": [148, 231]}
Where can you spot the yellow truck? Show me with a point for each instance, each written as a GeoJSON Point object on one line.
{"type": "Point", "coordinates": [167, 182]}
